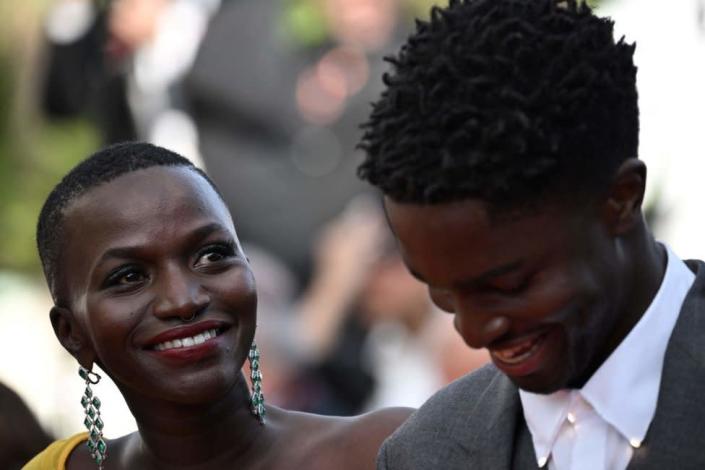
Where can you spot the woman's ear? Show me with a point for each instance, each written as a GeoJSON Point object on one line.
{"type": "Point", "coordinates": [71, 336]}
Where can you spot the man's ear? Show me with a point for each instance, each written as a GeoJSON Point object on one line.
{"type": "Point", "coordinates": [622, 207]}
{"type": "Point", "coordinates": [71, 336]}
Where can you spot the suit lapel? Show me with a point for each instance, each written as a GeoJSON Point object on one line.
{"type": "Point", "coordinates": [498, 410]}
{"type": "Point", "coordinates": [524, 453]}
{"type": "Point", "coordinates": [676, 438]}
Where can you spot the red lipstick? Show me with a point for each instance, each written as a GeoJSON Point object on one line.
{"type": "Point", "coordinates": [186, 331]}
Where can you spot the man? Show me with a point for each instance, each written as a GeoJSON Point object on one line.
{"type": "Point", "coordinates": [506, 147]}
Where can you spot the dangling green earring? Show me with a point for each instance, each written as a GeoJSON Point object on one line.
{"type": "Point", "coordinates": [91, 405]}
{"type": "Point", "coordinates": [257, 399]}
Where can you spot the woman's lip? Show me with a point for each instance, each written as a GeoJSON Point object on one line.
{"type": "Point", "coordinates": [186, 331]}
{"type": "Point", "coordinates": [192, 353]}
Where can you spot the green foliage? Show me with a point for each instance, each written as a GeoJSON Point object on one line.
{"type": "Point", "coordinates": [421, 8]}
{"type": "Point", "coordinates": [27, 176]}
{"type": "Point", "coordinates": [305, 21]}
{"type": "Point", "coordinates": [33, 157]}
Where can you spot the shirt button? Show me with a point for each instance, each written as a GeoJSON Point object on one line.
{"type": "Point", "coordinates": [571, 418]}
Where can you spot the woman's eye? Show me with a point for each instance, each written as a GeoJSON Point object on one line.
{"type": "Point", "coordinates": [130, 278]}
{"type": "Point", "coordinates": [125, 277]}
{"type": "Point", "coordinates": [214, 253]}
{"type": "Point", "coordinates": [212, 257]}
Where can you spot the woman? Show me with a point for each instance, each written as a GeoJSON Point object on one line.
{"type": "Point", "coordinates": [150, 283]}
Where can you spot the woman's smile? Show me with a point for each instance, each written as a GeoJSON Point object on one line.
{"type": "Point", "coordinates": [191, 342]}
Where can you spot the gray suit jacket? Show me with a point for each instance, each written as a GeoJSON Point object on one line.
{"type": "Point", "coordinates": [477, 422]}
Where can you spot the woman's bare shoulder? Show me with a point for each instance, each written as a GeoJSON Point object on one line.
{"type": "Point", "coordinates": [298, 440]}
{"type": "Point", "coordinates": [344, 442]}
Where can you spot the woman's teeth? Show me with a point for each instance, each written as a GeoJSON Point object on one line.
{"type": "Point", "coordinates": [518, 352]}
{"type": "Point", "coordinates": [187, 342]}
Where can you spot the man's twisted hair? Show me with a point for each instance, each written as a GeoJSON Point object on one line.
{"type": "Point", "coordinates": [506, 101]}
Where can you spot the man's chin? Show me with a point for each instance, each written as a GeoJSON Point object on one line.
{"type": "Point", "coordinates": [538, 384]}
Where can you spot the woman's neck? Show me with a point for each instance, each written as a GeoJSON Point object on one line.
{"type": "Point", "coordinates": [173, 435]}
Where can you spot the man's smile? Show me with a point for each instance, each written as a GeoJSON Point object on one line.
{"type": "Point", "coordinates": [527, 354]}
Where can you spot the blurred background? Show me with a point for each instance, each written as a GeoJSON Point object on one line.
{"type": "Point", "coordinates": [267, 96]}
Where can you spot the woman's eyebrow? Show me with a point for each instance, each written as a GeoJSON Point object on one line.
{"type": "Point", "coordinates": [206, 230]}
{"type": "Point", "coordinates": [122, 252]}
{"type": "Point", "coordinates": [126, 252]}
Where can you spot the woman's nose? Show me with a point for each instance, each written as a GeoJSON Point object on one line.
{"type": "Point", "coordinates": [179, 294]}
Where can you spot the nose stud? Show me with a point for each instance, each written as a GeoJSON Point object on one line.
{"type": "Point", "coordinates": [189, 319]}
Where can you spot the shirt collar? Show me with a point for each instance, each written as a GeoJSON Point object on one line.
{"type": "Point", "coordinates": [624, 390]}
{"type": "Point", "coordinates": [544, 415]}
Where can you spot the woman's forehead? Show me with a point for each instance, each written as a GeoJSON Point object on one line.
{"type": "Point", "coordinates": [154, 202]}
{"type": "Point", "coordinates": [131, 194]}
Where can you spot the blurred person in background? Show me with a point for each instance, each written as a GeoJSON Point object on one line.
{"type": "Point", "coordinates": [21, 435]}
{"type": "Point", "coordinates": [366, 334]}
{"type": "Point", "coordinates": [267, 93]}
{"type": "Point", "coordinates": [276, 92]}
{"type": "Point", "coordinates": [122, 62]}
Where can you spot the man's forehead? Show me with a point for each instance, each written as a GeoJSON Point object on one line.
{"type": "Point", "coordinates": [433, 220]}
{"type": "Point", "coordinates": [454, 242]}
{"type": "Point", "coordinates": [478, 212]}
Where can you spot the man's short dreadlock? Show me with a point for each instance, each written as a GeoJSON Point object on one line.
{"type": "Point", "coordinates": [503, 100]}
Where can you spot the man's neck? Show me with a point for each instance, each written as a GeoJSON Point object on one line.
{"type": "Point", "coordinates": [643, 267]}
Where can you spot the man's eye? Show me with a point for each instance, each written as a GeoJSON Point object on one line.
{"type": "Point", "coordinates": [442, 298]}
{"type": "Point", "coordinates": [510, 287]}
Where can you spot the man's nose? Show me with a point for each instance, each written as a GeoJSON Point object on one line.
{"type": "Point", "coordinates": [179, 294]}
{"type": "Point", "coordinates": [479, 328]}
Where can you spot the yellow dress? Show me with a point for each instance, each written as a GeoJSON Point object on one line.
{"type": "Point", "coordinates": [55, 456]}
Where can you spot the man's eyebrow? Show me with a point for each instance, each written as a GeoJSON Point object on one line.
{"type": "Point", "coordinates": [498, 271]}
{"type": "Point", "coordinates": [124, 252]}
{"type": "Point", "coordinates": [482, 278]}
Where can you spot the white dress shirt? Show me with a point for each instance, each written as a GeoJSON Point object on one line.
{"type": "Point", "coordinates": [598, 426]}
